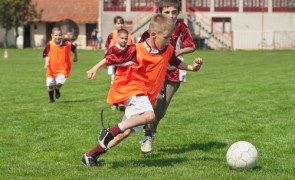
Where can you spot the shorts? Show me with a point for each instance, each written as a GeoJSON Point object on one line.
{"type": "Point", "coordinates": [111, 70]}
{"type": "Point", "coordinates": [137, 105]}
{"type": "Point", "coordinates": [52, 81]}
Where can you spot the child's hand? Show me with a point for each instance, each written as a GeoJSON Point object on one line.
{"type": "Point", "coordinates": [75, 59]}
{"type": "Point", "coordinates": [46, 65]}
{"type": "Point", "coordinates": [91, 73]}
{"type": "Point", "coordinates": [197, 64]}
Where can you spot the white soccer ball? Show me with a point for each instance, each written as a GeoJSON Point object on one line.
{"type": "Point", "coordinates": [242, 155]}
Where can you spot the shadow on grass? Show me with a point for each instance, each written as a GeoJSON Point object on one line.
{"type": "Point", "coordinates": [154, 159]}
{"type": "Point", "coordinates": [149, 162]}
{"type": "Point", "coordinates": [152, 162]}
{"type": "Point", "coordinates": [75, 100]}
{"type": "Point", "coordinates": [195, 146]}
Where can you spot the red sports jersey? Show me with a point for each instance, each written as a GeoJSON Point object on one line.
{"type": "Point", "coordinates": [181, 37]}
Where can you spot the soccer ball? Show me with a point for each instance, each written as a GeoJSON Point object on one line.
{"type": "Point", "coordinates": [242, 155]}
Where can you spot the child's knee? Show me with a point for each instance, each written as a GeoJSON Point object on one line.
{"type": "Point", "coordinates": [150, 116]}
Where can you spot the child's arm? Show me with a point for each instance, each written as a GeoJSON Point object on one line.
{"type": "Point", "coordinates": [184, 51]}
{"type": "Point", "coordinates": [46, 62]}
{"type": "Point", "coordinates": [75, 56]}
{"type": "Point", "coordinates": [46, 54]}
{"type": "Point", "coordinates": [92, 72]}
{"type": "Point", "coordinates": [194, 67]}
{"type": "Point", "coordinates": [74, 51]}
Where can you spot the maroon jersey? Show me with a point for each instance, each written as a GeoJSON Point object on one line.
{"type": "Point", "coordinates": [108, 41]}
{"type": "Point", "coordinates": [123, 57]}
{"type": "Point", "coordinates": [180, 38]}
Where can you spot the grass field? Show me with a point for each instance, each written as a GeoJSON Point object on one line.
{"type": "Point", "coordinates": [237, 95]}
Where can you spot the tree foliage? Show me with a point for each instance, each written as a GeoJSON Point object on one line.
{"type": "Point", "coordinates": [16, 13]}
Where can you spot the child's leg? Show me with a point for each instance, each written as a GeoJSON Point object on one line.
{"type": "Point", "coordinates": [120, 137]}
{"type": "Point", "coordinates": [51, 93]}
{"type": "Point", "coordinates": [90, 158]}
{"type": "Point", "coordinates": [160, 108]}
{"type": "Point", "coordinates": [50, 83]}
{"type": "Point", "coordinates": [60, 80]}
{"type": "Point", "coordinates": [138, 112]}
{"type": "Point", "coordinates": [160, 111]}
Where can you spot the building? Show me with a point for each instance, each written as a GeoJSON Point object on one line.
{"type": "Point", "coordinates": [215, 24]}
{"type": "Point", "coordinates": [79, 17]}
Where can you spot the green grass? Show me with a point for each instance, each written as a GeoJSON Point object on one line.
{"type": "Point", "coordinates": [237, 95]}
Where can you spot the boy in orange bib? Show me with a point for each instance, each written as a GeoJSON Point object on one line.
{"type": "Point", "coordinates": [137, 86]}
{"type": "Point", "coordinates": [58, 62]}
{"type": "Point", "coordinates": [111, 41]}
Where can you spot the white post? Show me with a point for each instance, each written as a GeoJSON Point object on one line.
{"type": "Point", "coordinates": [241, 6]}
{"type": "Point", "coordinates": [270, 5]}
{"type": "Point", "coordinates": [212, 5]}
{"type": "Point", "coordinates": [128, 5]}
{"type": "Point", "coordinates": [100, 11]}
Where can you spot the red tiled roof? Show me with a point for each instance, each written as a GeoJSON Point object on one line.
{"type": "Point", "coordinates": [85, 11]}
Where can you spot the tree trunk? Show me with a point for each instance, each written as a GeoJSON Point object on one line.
{"type": "Point", "coordinates": [5, 39]}
{"type": "Point", "coordinates": [16, 35]}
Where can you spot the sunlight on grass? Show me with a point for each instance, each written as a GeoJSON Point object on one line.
{"type": "Point", "coordinates": [237, 95]}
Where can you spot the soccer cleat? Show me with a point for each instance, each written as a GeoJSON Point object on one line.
{"type": "Point", "coordinates": [57, 93]}
{"type": "Point", "coordinates": [104, 138]}
{"type": "Point", "coordinates": [146, 144]}
{"type": "Point", "coordinates": [51, 101]}
{"type": "Point", "coordinates": [90, 160]}
{"type": "Point", "coordinates": [121, 108]}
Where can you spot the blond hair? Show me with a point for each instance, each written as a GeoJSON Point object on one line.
{"type": "Point", "coordinates": [55, 28]}
{"type": "Point", "coordinates": [161, 23]}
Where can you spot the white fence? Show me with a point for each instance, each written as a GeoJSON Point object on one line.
{"type": "Point", "coordinates": [268, 40]}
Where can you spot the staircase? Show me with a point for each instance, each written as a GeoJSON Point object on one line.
{"type": "Point", "coordinates": [215, 39]}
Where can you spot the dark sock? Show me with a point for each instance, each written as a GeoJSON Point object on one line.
{"type": "Point", "coordinates": [148, 134]}
{"type": "Point", "coordinates": [57, 91]}
{"type": "Point", "coordinates": [50, 93]}
{"type": "Point", "coordinates": [147, 131]}
{"type": "Point", "coordinates": [96, 150]}
{"type": "Point", "coordinates": [115, 130]}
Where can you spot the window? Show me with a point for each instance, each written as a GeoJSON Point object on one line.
{"type": "Point", "coordinates": [221, 25]}
{"type": "Point", "coordinates": [255, 5]}
{"type": "Point", "coordinates": [198, 5]}
{"type": "Point", "coordinates": [142, 5]}
{"type": "Point", "coordinates": [114, 5]}
{"type": "Point", "coordinates": [283, 5]}
{"type": "Point", "coordinates": [226, 5]}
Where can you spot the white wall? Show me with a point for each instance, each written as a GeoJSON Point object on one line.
{"type": "Point", "coordinates": [10, 37]}
{"type": "Point", "coordinates": [252, 30]}
{"type": "Point", "coordinates": [38, 35]}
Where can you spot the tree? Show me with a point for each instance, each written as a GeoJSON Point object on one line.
{"type": "Point", "coordinates": [16, 13]}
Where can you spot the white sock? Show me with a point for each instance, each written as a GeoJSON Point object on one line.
{"type": "Point", "coordinates": [121, 127]}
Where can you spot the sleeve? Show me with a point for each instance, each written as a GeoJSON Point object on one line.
{"type": "Point", "coordinates": [46, 50]}
{"type": "Point", "coordinates": [186, 39]}
{"type": "Point", "coordinates": [108, 41]}
{"type": "Point", "coordinates": [121, 57]}
{"type": "Point", "coordinates": [174, 61]}
{"type": "Point", "coordinates": [73, 48]}
{"type": "Point", "coordinates": [144, 36]}
{"type": "Point", "coordinates": [109, 51]}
